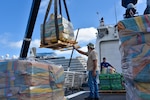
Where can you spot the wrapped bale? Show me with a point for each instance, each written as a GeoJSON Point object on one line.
{"type": "Point", "coordinates": [43, 92]}
{"type": "Point", "coordinates": [137, 91]}
{"type": "Point", "coordinates": [134, 31]}
{"type": "Point", "coordinates": [138, 71]}
{"type": "Point", "coordinates": [134, 47]}
{"type": "Point", "coordinates": [31, 93]}
{"type": "Point", "coordinates": [131, 38]}
{"type": "Point", "coordinates": [143, 90]}
{"type": "Point", "coordinates": [65, 27]}
{"type": "Point", "coordinates": [43, 72]}
{"type": "Point", "coordinates": [134, 36]}
{"type": "Point", "coordinates": [135, 52]}
{"type": "Point", "coordinates": [135, 24]}
{"type": "Point", "coordinates": [31, 80]}
{"type": "Point", "coordinates": [30, 73]}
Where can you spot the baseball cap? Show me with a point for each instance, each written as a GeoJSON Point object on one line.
{"type": "Point", "coordinates": [131, 5]}
{"type": "Point", "coordinates": [91, 45]}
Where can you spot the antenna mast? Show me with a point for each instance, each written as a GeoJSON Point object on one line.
{"type": "Point", "coordinates": [115, 12]}
{"type": "Point", "coordinates": [98, 16]}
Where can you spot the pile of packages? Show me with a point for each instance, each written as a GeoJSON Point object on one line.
{"type": "Point", "coordinates": [31, 80]}
{"type": "Point", "coordinates": [134, 35]}
{"type": "Point", "coordinates": [111, 82]}
{"type": "Point", "coordinates": [65, 28]}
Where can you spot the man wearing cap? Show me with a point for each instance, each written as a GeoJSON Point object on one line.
{"type": "Point", "coordinates": [92, 68]}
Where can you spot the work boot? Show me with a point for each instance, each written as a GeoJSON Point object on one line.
{"type": "Point", "coordinates": [96, 99]}
{"type": "Point", "coordinates": [88, 98]}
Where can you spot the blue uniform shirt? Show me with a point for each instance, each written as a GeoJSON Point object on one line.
{"type": "Point", "coordinates": [105, 64]}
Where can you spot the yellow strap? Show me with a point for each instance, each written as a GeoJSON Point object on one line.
{"type": "Point", "coordinates": [9, 66]}
{"type": "Point", "coordinates": [140, 23]}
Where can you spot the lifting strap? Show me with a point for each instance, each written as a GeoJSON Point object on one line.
{"type": "Point", "coordinates": [45, 18]}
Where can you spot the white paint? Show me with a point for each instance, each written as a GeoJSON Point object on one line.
{"type": "Point", "coordinates": [76, 94]}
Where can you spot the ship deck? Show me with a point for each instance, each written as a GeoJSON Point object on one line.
{"type": "Point", "coordinates": [103, 96]}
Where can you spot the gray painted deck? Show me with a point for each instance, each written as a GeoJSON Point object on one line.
{"type": "Point", "coordinates": [103, 96]}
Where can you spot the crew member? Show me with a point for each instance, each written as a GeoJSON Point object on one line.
{"type": "Point", "coordinates": [93, 71]}
{"type": "Point", "coordinates": [105, 64]}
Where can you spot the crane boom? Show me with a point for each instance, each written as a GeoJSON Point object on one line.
{"type": "Point", "coordinates": [30, 26]}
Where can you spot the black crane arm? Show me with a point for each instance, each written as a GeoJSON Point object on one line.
{"type": "Point", "coordinates": [30, 26]}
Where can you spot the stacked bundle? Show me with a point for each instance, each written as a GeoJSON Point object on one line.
{"type": "Point", "coordinates": [65, 27]}
{"type": "Point", "coordinates": [104, 82]}
{"type": "Point", "coordinates": [116, 81]}
{"type": "Point", "coordinates": [111, 82]}
{"type": "Point", "coordinates": [30, 80]}
{"type": "Point", "coordinates": [135, 43]}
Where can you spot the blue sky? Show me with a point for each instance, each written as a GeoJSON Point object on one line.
{"type": "Point", "coordinates": [83, 15]}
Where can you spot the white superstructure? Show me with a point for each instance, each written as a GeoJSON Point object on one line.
{"type": "Point", "coordinates": [107, 45]}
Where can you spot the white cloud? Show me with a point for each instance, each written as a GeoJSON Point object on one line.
{"type": "Point", "coordinates": [35, 43]}
{"type": "Point", "coordinates": [4, 40]}
{"type": "Point", "coordinates": [16, 44]}
{"type": "Point", "coordinates": [15, 57]}
{"type": "Point", "coordinates": [67, 53]}
{"type": "Point", "coordinates": [84, 49]}
{"type": "Point", "coordinates": [86, 34]}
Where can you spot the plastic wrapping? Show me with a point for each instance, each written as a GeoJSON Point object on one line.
{"type": "Point", "coordinates": [135, 53]}
{"type": "Point", "coordinates": [138, 73]}
{"type": "Point", "coordinates": [130, 38]}
{"type": "Point", "coordinates": [65, 30]}
{"type": "Point", "coordinates": [136, 24]}
{"type": "Point", "coordinates": [111, 82]}
{"type": "Point", "coordinates": [135, 56]}
{"type": "Point", "coordinates": [137, 91]}
{"type": "Point", "coordinates": [31, 80]}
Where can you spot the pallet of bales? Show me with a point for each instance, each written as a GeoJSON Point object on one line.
{"type": "Point", "coordinates": [63, 39]}
{"type": "Point", "coordinates": [111, 83]}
